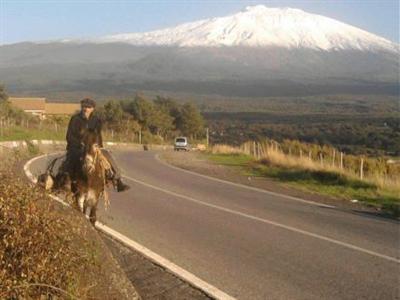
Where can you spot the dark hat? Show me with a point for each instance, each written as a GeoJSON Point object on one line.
{"type": "Point", "coordinates": [88, 102]}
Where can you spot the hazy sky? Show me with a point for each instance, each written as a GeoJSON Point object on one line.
{"type": "Point", "coordinates": [46, 20]}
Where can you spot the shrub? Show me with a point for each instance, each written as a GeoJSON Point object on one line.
{"type": "Point", "coordinates": [41, 254]}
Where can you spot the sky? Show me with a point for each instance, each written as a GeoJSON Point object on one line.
{"type": "Point", "coordinates": [31, 20]}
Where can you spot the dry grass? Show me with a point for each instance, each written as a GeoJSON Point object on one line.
{"type": "Point", "coordinates": [391, 183]}
{"type": "Point", "coordinates": [48, 251]}
{"type": "Point", "coordinates": [273, 155]}
{"type": "Point", "coordinates": [276, 157]}
{"type": "Point", "coordinates": [225, 149]}
{"type": "Point", "coordinates": [39, 252]}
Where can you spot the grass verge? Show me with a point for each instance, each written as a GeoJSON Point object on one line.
{"type": "Point", "coordinates": [322, 182]}
{"type": "Point", "coordinates": [18, 133]}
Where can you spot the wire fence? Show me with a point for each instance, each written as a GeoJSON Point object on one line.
{"type": "Point", "coordinates": [380, 170]}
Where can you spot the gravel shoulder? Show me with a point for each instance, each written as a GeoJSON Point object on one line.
{"type": "Point", "coordinates": [198, 163]}
{"type": "Point", "coordinates": [151, 280]}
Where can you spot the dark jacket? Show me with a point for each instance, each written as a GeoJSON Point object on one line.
{"type": "Point", "coordinates": [77, 128]}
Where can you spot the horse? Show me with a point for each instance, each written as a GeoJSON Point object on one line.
{"type": "Point", "coordinates": [83, 179]}
{"type": "Point", "coordinates": [90, 181]}
{"type": "Point", "coordinates": [55, 178]}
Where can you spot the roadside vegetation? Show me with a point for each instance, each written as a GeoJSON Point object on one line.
{"type": "Point", "coordinates": [322, 170]}
{"type": "Point", "coordinates": [41, 253]}
{"type": "Point", "coordinates": [48, 251]}
{"type": "Point", "coordinates": [136, 120]}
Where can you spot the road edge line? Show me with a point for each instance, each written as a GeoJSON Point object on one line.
{"type": "Point", "coordinates": [244, 186]}
{"type": "Point", "coordinates": [266, 221]}
{"type": "Point", "coordinates": [158, 259]}
{"type": "Point", "coordinates": [167, 264]}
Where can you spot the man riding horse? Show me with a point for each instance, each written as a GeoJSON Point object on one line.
{"type": "Point", "coordinates": [78, 126]}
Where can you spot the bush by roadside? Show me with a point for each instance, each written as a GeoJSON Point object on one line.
{"type": "Point", "coordinates": [39, 253]}
{"type": "Point", "coordinates": [50, 251]}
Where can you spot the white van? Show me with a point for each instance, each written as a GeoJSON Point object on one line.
{"type": "Point", "coordinates": [181, 143]}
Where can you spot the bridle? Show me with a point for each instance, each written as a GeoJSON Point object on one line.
{"type": "Point", "coordinates": [89, 166]}
{"type": "Point", "coordinates": [90, 160]}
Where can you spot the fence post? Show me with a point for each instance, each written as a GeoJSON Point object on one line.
{"type": "Point", "coordinates": [207, 138]}
{"type": "Point", "coordinates": [258, 150]}
{"type": "Point", "coordinates": [333, 157]}
{"type": "Point", "coordinates": [341, 160]}
{"type": "Point", "coordinates": [362, 168]}
{"type": "Point", "coordinates": [309, 154]}
{"type": "Point", "coordinates": [263, 152]}
{"type": "Point", "coordinates": [301, 153]}
{"type": "Point", "coordinates": [321, 158]}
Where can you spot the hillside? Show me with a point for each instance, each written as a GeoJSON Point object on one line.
{"type": "Point", "coordinates": [256, 52]}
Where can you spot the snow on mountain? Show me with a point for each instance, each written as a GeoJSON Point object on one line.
{"type": "Point", "coordinates": [260, 26]}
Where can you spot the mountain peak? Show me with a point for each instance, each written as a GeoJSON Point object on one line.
{"type": "Point", "coordinates": [260, 8]}
{"type": "Point", "coordinates": [261, 26]}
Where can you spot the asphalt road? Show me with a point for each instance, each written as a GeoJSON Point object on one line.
{"type": "Point", "coordinates": [250, 244]}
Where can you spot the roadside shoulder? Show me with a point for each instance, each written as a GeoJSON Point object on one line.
{"type": "Point", "coordinates": [198, 163]}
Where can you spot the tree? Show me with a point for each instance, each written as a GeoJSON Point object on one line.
{"type": "Point", "coordinates": [160, 122]}
{"type": "Point", "coordinates": [112, 112]}
{"type": "Point", "coordinates": [141, 109]}
{"type": "Point", "coordinates": [169, 106]}
{"type": "Point", "coordinates": [8, 111]}
{"type": "Point", "coordinates": [4, 106]}
{"type": "Point", "coordinates": [3, 94]}
{"type": "Point", "coordinates": [190, 122]}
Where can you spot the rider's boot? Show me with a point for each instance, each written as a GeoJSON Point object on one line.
{"type": "Point", "coordinates": [116, 181]}
{"type": "Point", "coordinates": [121, 186]}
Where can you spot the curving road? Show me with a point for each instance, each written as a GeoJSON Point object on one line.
{"type": "Point", "coordinates": [252, 244]}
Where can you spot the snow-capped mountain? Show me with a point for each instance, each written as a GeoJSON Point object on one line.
{"type": "Point", "coordinates": [260, 26]}
{"type": "Point", "coordinates": [259, 52]}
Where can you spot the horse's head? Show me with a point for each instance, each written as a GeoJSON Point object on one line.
{"type": "Point", "coordinates": [90, 151]}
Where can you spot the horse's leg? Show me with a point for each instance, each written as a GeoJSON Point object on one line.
{"type": "Point", "coordinates": [76, 197]}
{"type": "Point", "coordinates": [80, 199]}
{"type": "Point", "coordinates": [85, 206]}
{"type": "Point", "coordinates": [93, 214]}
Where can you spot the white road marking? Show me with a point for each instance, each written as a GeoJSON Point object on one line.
{"type": "Point", "coordinates": [182, 273]}
{"type": "Point", "coordinates": [28, 173]}
{"type": "Point", "coordinates": [245, 186]}
{"type": "Point", "coordinates": [266, 221]}
{"type": "Point", "coordinates": [178, 271]}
